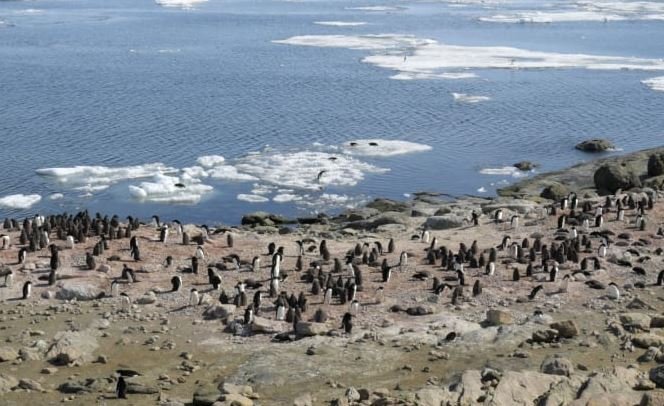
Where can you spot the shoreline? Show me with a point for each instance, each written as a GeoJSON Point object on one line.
{"type": "Point", "coordinates": [571, 343]}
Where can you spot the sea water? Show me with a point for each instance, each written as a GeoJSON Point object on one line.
{"type": "Point", "coordinates": [205, 110]}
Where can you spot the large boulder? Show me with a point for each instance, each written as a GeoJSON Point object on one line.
{"type": "Point", "coordinates": [444, 222]}
{"type": "Point", "coordinates": [306, 329]}
{"type": "Point", "coordinates": [8, 354]}
{"type": "Point", "coordinates": [7, 382]}
{"type": "Point", "coordinates": [384, 205]}
{"type": "Point", "coordinates": [261, 218]}
{"type": "Point", "coordinates": [219, 311]}
{"type": "Point", "coordinates": [595, 145]}
{"type": "Point", "coordinates": [522, 388]}
{"type": "Point", "coordinates": [566, 329]}
{"type": "Point", "coordinates": [525, 165]}
{"type": "Point", "coordinates": [555, 191]}
{"type": "Point", "coordinates": [261, 325]}
{"type": "Point", "coordinates": [557, 365]}
{"type": "Point", "coordinates": [647, 340]}
{"type": "Point", "coordinates": [656, 182]}
{"type": "Point", "coordinates": [78, 290]}
{"type": "Point", "coordinates": [498, 317]}
{"type": "Point", "coordinates": [206, 395]}
{"type": "Point", "coordinates": [147, 298]}
{"type": "Point", "coordinates": [611, 177]}
{"type": "Point", "coordinates": [72, 346]}
{"type": "Point", "coordinates": [656, 165]}
{"type": "Point", "coordinates": [380, 220]}
{"type": "Point", "coordinates": [635, 320]}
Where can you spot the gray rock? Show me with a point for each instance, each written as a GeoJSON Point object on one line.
{"type": "Point", "coordinates": [206, 395]}
{"type": "Point", "coordinates": [78, 290]}
{"type": "Point", "coordinates": [385, 205]}
{"type": "Point", "coordinates": [557, 365]}
{"type": "Point", "coordinates": [656, 165]}
{"type": "Point", "coordinates": [611, 177]}
{"type": "Point", "coordinates": [380, 220]}
{"type": "Point", "coordinates": [7, 382]}
{"type": "Point", "coordinates": [304, 400]}
{"type": "Point", "coordinates": [525, 165]}
{"type": "Point", "coordinates": [498, 317]}
{"type": "Point", "coordinates": [522, 388]}
{"type": "Point", "coordinates": [635, 320]}
{"type": "Point", "coordinates": [566, 329]}
{"type": "Point", "coordinates": [147, 298]}
{"type": "Point", "coordinates": [219, 311]}
{"type": "Point", "coordinates": [306, 329]}
{"type": "Point", "coordinates": [555, 191]}
{"type": "Point", "coordinates": [646, 340]}
{"type": "Point", "coordinates": [262, 325]}
{"type": "Point", "coordinates": [595, 145]}
{"type": "Point", "coordinates": [8, 354]}
{"type": "Point", "coordinates": [261, 218]}
{"type": "Point", "coordinates": [444, 222]}
{"type": "Point", "coordinates": [72, 346]}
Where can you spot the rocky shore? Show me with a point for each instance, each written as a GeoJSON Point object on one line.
{"type": "Point", "coordinates": [504, 301]}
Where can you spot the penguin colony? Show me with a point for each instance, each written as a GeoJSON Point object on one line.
{"type": "Point", "coordinates": [291, 280]}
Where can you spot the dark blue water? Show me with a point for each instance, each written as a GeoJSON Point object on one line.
{"type": "Point", "coordinates": [92, 82]}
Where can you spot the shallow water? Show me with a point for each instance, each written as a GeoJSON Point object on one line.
{"type": "Point", "coordinates": [131, 83]}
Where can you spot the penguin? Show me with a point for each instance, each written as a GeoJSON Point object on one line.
{"type": "Point", "coordinates": [200, 253]}
{"type": "Point", "coordinates": [22, 256]}
{"type": "Point", "coordinates": [403, 259]}
{"type": "Point", "coordinates": [215, 282]}
{"type": "Point", "coordinates": [163, 234]}
{"type": "Point", "coordinates": [347, 323]}
{"type": "Point", "coordinates": [193, 297]}
{"type": "Point", "coordinates": [176, 283]}
{"type": "Point", "coordinates": [553, 273]}
{"type": "Point", "coordinates": [564, 284]}
{"type": "Point", "coordinates": [90, 261]}
{"type": "Point", "coordinates": [620, 216]}
{"type": "Point", "coordinates": [534, 292]}
{"type": "Point", "coordinates": [599, 211]}
{"type": "Point", "coordinates": [9, 279]}
{"type": "Point", "coordinates": [248, 315]}
{"type": "Point", "coordinates": [585, 224]}
{"type": "Point", "coordinates": [599, 221]}
{"type": "Point", "coordinates": [660, 278]}
{"type": "Point", "coordinates": [229, 240]}
{"type": "Point", "coordinates": [477, 288]}
{"type": "Point", "coordinates": [574, 233]}
{"type": "Point", "coordinates": [327, 299]}
{"type": "Point", "coordinates": [274, 286]}
{"type": "Point", "coordinates": [354, 307]}
{"type": "Point", "coordinates": [457, 293]}
{"type": "Point", "coordinates": [613, 292]}
{"type": "Point", "coordinates": [156, 221]}
{"type": "Point", "coordinates": [498, 216]}
{"type": "Point", "coordinates": [563, 203]}
{"type": "Point", "coordinates": [178, 227]}
{"type": "Point", "coordinates": [281, 312]}
{"type": "Point", "coordinates": [515, 275]}
{"type": "Point", "coordinates": [380, 294]}
{"type": "Point", "coordinates": [27, 290]}
{"type": "Point", "coordinates": [462, 277]}
{"type": "Point", "coordinates": [52, 277]}
{"type": "Point", "coordinates": [601, 251]}
{"type": "Point", "coordinates": [491, 268]}
{"type": "Point", "coordinates": [121, 388]}
{"type": "Point", "coordinates": [70, 242]}
{"type": "Point", "coordinates": [561, 221]}
{"type": "Point", "coordinates": [128, 274]}
{"type": "Point", "coordinates": [425, 236]}
{"type": "Point", "coordinates": [514, 222]}
{"type": "Point", "coordinates": [5, 241]}
{"type": "Point", "coordinates": [386, 271]}
{"type": "Point", "coordinates": [391, 246]}
{"type": "Point", "coordinates": [114, 288]}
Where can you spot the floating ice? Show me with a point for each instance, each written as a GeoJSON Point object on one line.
{"type": "Point", "coordinates": [210, 161]}
{"type": "Point", "coordinates": [376, 8]}
{"type": "Point", "coordinates": [252, 198]}
{"type": "Point", "coordinates": [286, 197]}
{"type": "Point", "coordinates": [261, 189]}
{"type": "Point", "coordinates": [228, 172]}
{"type": "Point", "coordinates": [185, 4]}
{"type": "Point", "coordinates": [91, 188]}
{"type": "Point", "coordinates": [655, 83]}
{"type": "Point", "coordinates": [82, 176]}
{"type": "Point", "coordinates": [306, 169]}
{"type": "Point", "coordinates": [481, 190]}
{"type": "Point", "coordinates": [466, 98]}
{"type": "Point", "coordinates": [378, 147]}
{"type": "Point", "coordinates": [193, 172]}
{"type": "Point", "coordinates": [169, 189]}
{"type": "Point", "coordinates": [19, 201]}
{"type": "Point", "coordinates": [587, 11]}
{"type": "Point", "coordinates": [427, 57]}
{"type": "Point", "coordinates": [56, 196]}
{"type": "Point", "coordinates": [504, 171]}
{"type": "Point", "coordinates": [341, 23]}
{"type": "Point", "coordinates": [444, 75]}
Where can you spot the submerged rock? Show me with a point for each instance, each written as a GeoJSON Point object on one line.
{"type": "Point", "coordinates": [595, 145]}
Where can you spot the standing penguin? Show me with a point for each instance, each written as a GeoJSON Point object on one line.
{"type": "Point", "coordinates": [22, 255]}
{"type": "Point", "coordinates": [121, 388]}
{"type": "Point", "coordinates": [163, 234]}
{"type": "Point", "coordinates": [193, 297]}
{"type": "Point", "coordinates": [27, 290]}
{"type": "Point", "coordinates": [9, 279]}
{"type": "Point", "coordinates": [613, 292]}
{"type": "Point", "coordinates": [347, 323]}
{"type": "Point", "coordinates": [52, 277]}
{"type": "Point", "coordinates": [176, 283]}
{"type": "Point", "coordinates": [477, 288]}
{"type": "Point", "coordinates": [256, 264]}
{"type": "Point", "coordinates": [391, 246]}
{"type": "Point", "coordinates": [386, 271]}
{"type": "Point", "coordinates": [90, 261]}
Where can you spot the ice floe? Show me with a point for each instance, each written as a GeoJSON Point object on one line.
{"type": "Point", "coordinates": [82, 176]}
{"type": "Point", "coordinates": [210, 161]}
{"type": "Point", "coordinates": [185, 4]}
{"type": "Point", "coordinates": [56, 196]}
{"type": "Point", "coordinates": [504, 171]}
{"type": "Point", "coordinates": [376, 8]}
{"type": "Point", "coordinates": [466, 98]}
{"type": "Point", "coordinates": [656, 83]}
{"type": "Point", "coordinates": [252, 198]}
{"type": "Point", "coordinates": [19, 201]}
{"type": "Point", "coordinates": [286, 197]}
{"type": "Point", "coordinates": [229, 172]}
{"type": "Point", "coordinates": [429, 57]}
{"type": "Point", "coordinates": [341, 23]}
{"type": "Point", "coordinates": [169, 189]}
{"type": "Point", "coordinates": [306, 169]}
{"type": "Point", "coordinates": [602, 11]}
{"type": "Point", "coordinates": [378, 147]}
{"type": "Point", "coordinates": [444, 75]}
